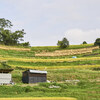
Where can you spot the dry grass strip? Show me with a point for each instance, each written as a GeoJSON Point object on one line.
{"type": "Point", "coordinates": [67, 52]}
{"type": "Point", "coordinates": [14, 48]}
{"type": "Point", "coordinates": [57, 67]}
{"type": "Point", "coordinates": [45, 98]}
{"type": "Point", "coordinates": [49, 60]}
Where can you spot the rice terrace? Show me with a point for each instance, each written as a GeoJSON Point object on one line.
{"type": "Point", "coordinates": [67, 78]}
{"type": "Point", "coordinates": [58, 58]}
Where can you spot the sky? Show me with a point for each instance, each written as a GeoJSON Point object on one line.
{"type": "Point", "coordinates": [47, 21]}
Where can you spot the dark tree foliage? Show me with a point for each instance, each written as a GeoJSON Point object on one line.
{"type": "Point", "coordinates": [5, 23]}
{"type": "Point", "coordinates": [97, 42]}
{"type": "Point", "coordinates": [64, 43]}
{"type": "Point", "coordinates": [26, 44]}
{"type": "Point", "coordinates": [7, 37]}
{"type": "Point", "coordinates": [84, 42]}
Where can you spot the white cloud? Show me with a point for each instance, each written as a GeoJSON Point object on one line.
{"type": "Point", "coordinates": [77, 36]}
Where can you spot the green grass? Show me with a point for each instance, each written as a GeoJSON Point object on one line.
{"type": "Point", "coordinates": [31, 54]}
{"type": "Point", "coordinates": [64, 74]}
{"type": "Point", "coordinates": [81, 91]}
{"type": "Point", "coordinates": [88, 87]}
{"type": "Point", "coordinates": [53, 48]}
{"type": "Point", "coordinates": [80, 46]}
{"type": "Point", "coordinates": [65, 63]}
{"type": "Point", "coordinates": [13, 53]}
{"type": "Point", "coordinates": [72, 74]}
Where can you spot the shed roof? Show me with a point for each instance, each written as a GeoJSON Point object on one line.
{"type": "Point", "coordinates": [37, 71]}
{"type": "Point", "coordinates": [5, 70]}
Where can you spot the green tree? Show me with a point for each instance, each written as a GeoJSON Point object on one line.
{"type": "Point", "coordinates": [11, 38]}
{"type": "Point", "coordinates": [8, 37]}
{"type": "Point", "coordinates": [84, 42]}
{"type": "Point", "coordinates": [97, 42]}
{"type": "Point", "coordinates": [4, 23]}
{"type": "Point", "coordinates": [64, 43]}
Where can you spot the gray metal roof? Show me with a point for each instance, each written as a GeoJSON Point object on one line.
{"type": "Point", "coordinates": [37, 71]}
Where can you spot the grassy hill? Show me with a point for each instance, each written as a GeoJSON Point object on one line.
{"type": "Point", "coordinates": [76, 77]}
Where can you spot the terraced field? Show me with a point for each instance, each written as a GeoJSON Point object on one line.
{"type": "Point", "coordinates": [67, 52]}
{"type": "Point", "coordinates": [76, 77]}
{"type": "Point", "coordinates": [14, 48]}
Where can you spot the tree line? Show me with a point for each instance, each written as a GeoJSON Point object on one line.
{"type": "Point", "coordinates": [65, 43]}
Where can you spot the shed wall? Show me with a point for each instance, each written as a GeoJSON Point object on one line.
{"type": "Point", "coordinates": [25, 77]}
{"type": "Point", "coordinates": [5, 78]}
{"type": "Point", "coordinates": [36, 79]}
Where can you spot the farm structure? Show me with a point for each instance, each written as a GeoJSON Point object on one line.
{"type": "Point", "coordinates": [34, 76]}
{"type": "Point", "coordinates": [5, 76]}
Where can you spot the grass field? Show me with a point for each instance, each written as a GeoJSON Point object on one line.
{"type": "Point", "coordinates": [76, 77]}
{"type": "Point", "coordinates": [53, 48]}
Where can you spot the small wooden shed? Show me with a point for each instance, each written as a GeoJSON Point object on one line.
{"type": "Point", "coordinates": [5, 76]}
{"type": "Point", "coordinates": [34, 76]}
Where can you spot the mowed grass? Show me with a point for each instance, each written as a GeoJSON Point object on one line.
{"type": "Point", "coordinates": [65, 63]}
{"type": "Point", "coordinates": [53, 48]}
{"type": "Point", "coordinates": [45, 98]}
{"type": "Point", "coordinates": [17, 54]}
{"type": "Point", "coordinates": [56, 67]}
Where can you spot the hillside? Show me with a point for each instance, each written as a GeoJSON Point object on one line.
{"type": "Point", "coordinates": [76, 77]}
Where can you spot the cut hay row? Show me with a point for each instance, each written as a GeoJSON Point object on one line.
{"type": "Point", "coordinates": [14, 48]}
{"type": "Point", "coordinates": [67, 52]}
{"type": "Point", "coordinates": [50, 60]}
{"type": "Point", "coordinates": [45, 98]}
{"type": "Point", "coordinates": [57, 67]}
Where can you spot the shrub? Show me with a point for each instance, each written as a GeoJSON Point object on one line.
{"type": "Point", "coordinates": [84, 42]}
{"type": "Point", "coordinates": [64, 43]}
{"type": "Point", "coordinates": [97, 42]}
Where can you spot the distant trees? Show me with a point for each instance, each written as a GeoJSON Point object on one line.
{"type": "Point", "coordinates": [64, 43]}
{"type": "Point", "coordinates": [8, 37]}
{"type": "Point", "coordinates": [84, 42]}
{"type": "Point", "coordinates": [97, 42]}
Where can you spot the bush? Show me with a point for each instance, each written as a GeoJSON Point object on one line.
{"type": "Point", "coordinates": [97, 42]}
{"type": "Point", "coordinates": [64, 43]}
{"type": "Point", "coordinates": [84, 42]}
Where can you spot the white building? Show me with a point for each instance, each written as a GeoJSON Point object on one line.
{"type": "Point", "coordinates": [5, 76]}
